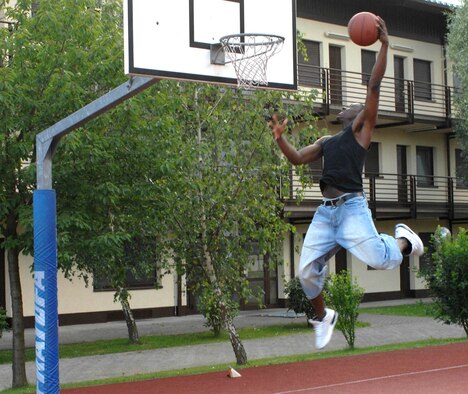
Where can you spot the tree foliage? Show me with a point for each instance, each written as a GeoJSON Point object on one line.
{"type": "Point", "coordinates": [344, 295]}
{"type": "Point", "coordinates": [447, 277]}
{"type": "Point", "coordinates": [227, 191]}
{"type": "Point", "coordinates": [458, 54]}
{"type": "Point", "coordinates": [58, 56]}
{"type": "Point", "coordinates": [108, 179]}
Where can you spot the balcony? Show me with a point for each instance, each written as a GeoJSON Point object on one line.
{"type": "Point", "coordinates": [402, 102]}
{"type": "Point", "coordinates": [392, 196]}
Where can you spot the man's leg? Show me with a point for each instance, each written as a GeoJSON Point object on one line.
{"type": "Point", "coordinates": [325, 322]}
{"type": "Point", "coordinates": [358, 235]}
{"type": "Point", "coordinates": [319, 246]}
{"type": "Point", "coordinates": [318, 303]}
{"type": "Point", "coordinates": [312, 277]}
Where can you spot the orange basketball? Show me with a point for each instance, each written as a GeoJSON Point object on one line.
{"type": "Point", "coordinates": [362, 28]}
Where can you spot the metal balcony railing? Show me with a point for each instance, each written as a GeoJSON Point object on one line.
{"type": "Point", "coordinates": [414, 99]}
{"type": "Point", "coordinates": [395, 195]}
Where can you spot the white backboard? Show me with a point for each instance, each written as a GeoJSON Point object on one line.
{"type": "Point", "coordinates": [172, 38]}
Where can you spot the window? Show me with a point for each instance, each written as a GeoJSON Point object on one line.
{"type": "Point", "coordinates": [141, 257]}
{"type": "Point", "coordinates": [461, 171]}
{"type": "Point", "coordinates": [309, 71]}
{"type": "Point", "coordinates": [262, 276]}
{"type": "Point", "coordinates": [399, 75]}
{"type": "Point", "coordinates": [371, 168]}
{"type": "Point", "coordinates": [367, 63]}
{"type": "Point", "coordinates": [425, 166]}
{"type": "Point", "coordinates": [131, 282]}
{"type": "Point", "coordinates": [422, 79]}
{"type": "Point", "coordinates": [336, 78]}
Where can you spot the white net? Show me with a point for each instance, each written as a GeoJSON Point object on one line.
{"type": "Point", "coordinates": [249, 55]}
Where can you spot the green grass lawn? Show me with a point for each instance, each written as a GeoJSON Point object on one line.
{"type": "Point", "coordinates": [165, 341]}
{"type": "Point", "coordinates": [418, 309]}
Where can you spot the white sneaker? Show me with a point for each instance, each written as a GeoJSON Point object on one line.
{"type": "Point", "coordinates": [324, 328]}
{"type": "Point", "coordinates": [403, 231]}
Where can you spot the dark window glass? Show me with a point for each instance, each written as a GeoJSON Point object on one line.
{"type": "Point", "coordinates": [367, 63]}
{"type": "Point", "coordinates": [425, 166]}
{"type": "Point", "coordinates": [422, 79]}
{"type": "Point", "coordinates": [309, 71]}
{"type": "Point", "coordinates": [371, 168]}
{"type": "Point", "coordinates": [461, 169]}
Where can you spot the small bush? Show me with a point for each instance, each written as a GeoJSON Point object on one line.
{"type": "Point", "coordinates": [215, 309]}
{"type": "Point", "coordinates": [209, 307]}
{"type": "Point", "coordinates": [344, 295]}
{"type": "Point", "coordinates": [447, 277]}
{"type": "Point", "coordinates": [3, 322]}
{"type": "Point", "coordinates": [297, 300]}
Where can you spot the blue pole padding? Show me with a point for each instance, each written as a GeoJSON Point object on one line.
{"type": "Point", "coordinates": [45, 290]}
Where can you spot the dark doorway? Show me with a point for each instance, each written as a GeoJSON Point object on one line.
{"type": "Point", "coordinates": [405, 287]}
{"type": "Point", "coordinates": [341, 263]}
{"type": "Point", "coordinates": [402, 171]}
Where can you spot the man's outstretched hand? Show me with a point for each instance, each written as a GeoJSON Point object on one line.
{"type": "Point", "coordinates": [277, 127]}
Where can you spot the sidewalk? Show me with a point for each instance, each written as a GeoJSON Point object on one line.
{"type": "Point", "coordinates": [382, 330]}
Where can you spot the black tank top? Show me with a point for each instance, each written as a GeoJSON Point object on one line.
{"type": "Point", "coordinates": [343, 162]}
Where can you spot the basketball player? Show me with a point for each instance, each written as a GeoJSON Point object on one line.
{"type": "Point", "coordinates": [343, 220]}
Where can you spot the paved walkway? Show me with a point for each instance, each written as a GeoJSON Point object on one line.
{"type": "Point", "coordinates": [382, 330]}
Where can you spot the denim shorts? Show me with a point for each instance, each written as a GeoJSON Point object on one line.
{"type": "Point", "coordinates": [349, 226]}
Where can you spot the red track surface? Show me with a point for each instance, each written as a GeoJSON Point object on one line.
{"type": "Point", "coordinates": [434, 369]}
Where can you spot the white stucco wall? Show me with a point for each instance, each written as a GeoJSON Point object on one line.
{"type": "Point", "coordinates": [75, 297]}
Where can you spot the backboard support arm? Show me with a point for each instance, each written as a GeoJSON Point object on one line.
{"type": "Point", "coordinates": [47, 141]}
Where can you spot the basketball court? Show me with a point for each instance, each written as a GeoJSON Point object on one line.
{"type": "Point", "coordinates": [433, 369]}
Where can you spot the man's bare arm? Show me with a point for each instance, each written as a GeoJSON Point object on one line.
{"type": "Point", "coordinates": [305, 155]}
{"type": "Point", "coordinates": [363, 125]}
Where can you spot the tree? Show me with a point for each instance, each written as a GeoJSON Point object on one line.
{"type": "Point", "coordinates": [55, 59]}
{"type": "Point", "coordinates": [446, 276]}
{"type": "Point", "coordinates": [109, 178]}
{"type": "Point", "coordinates": [228, 193]}
{"type": "Point", "coordinates": [458, 53]}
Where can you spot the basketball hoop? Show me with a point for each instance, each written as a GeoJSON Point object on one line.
{"type": "Point", "coordinates": [249, 54]}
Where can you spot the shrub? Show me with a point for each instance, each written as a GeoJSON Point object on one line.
{"type": "Point", "coordinates": [344, 295]}
{"type": "Point", "coordinates": [215, 308]}
{"type": "Point", "coordinates": [3, 322]}
{"type": "Point", "coordinates": [446, 276]}
{"type": "Point", "coordinates": [297, 300]}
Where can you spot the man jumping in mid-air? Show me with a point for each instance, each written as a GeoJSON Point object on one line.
{"type": "Point", "coordinates": [344, 219]}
